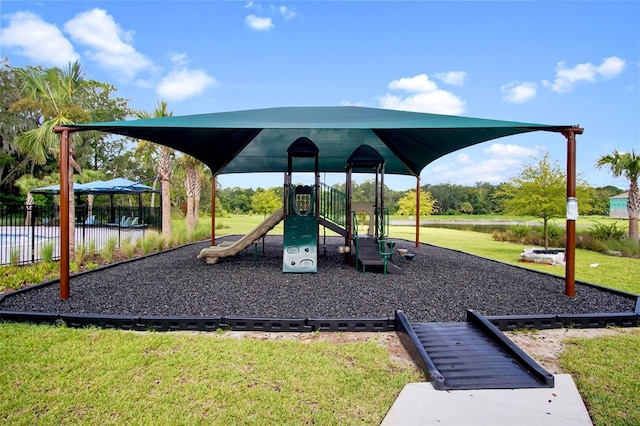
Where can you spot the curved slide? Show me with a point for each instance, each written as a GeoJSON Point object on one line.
{"type": "Point", "coordinates": [213, 253]}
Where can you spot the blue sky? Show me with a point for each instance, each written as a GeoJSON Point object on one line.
{"type": "Point", "coordinates": [575, 62]}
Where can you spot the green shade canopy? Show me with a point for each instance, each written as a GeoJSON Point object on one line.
{"type": "Point", "coordinates": [257, 140]}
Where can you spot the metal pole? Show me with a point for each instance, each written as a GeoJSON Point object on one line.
{"type": "Point", "coordinates": [64, 215]}
{"type": "Point", "coordinates": [213, 210]}
{"type": "Point", "coordinates": [417, 211]}
{"type": "Point", "coordinates": [572, 212]}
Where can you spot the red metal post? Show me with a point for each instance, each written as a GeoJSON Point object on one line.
{"type": "Point", "coordinates": [572, 212]}
{"type": "Point", "coordinates": [64, 214]}
{"type": "Point", "coordinates": [417, 211]}
{"type": "Point", "coordinates": [213, 210]}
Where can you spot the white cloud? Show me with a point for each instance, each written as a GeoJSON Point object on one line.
{"type": "Point", "coordinates": [518, 93]}
{"type": "Point", "coordinates": [611, 67]}
{"type": "Point", "coordinates": [178, 59]}
{"type": "Point", "coordinates": [258, 23]}
{"type": "Point", "coordinates": [425, 97]}
{"type": "Point", "coordinates": [108, 44]}
{"type": "Point", "coordinates": [463, 159]}
{"type": "Point", "coordinates": [509, 150]}
{"type": "Point", "coordinates": [455, 78]}
{"type": "Point", "coordinates": [566, 78]}
{"type": "Point", "coordinates": [494, 164]}
{"type": "Point", "coordinates": [182, 84]}
{"type": "Point", "coordinates": [287, 13]}
{"type": "Point", "coordinates": [41, 42]}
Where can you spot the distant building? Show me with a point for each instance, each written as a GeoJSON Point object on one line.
{"type": "Point", "coordinates": [618, 206]}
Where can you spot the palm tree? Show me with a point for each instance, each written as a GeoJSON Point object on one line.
{"type": "Point", "coordinates": [627, 165]}
{"type": "Point", "coordinates": [164, 169]}
{"type": "Point", "coordinates": [193, 185]}
{"type": "Point", "coordinates": [51, 96]}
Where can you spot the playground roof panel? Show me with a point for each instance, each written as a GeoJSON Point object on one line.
{"type": "Point", "coordinates": [257, 140]}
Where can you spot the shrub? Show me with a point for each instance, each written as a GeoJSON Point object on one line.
{"type": "Point", "coordinates": [46, 251]}
{"type": "Point", "coordinates": [624, 247]}
{"type": "Point", "coordinates": [14, 256]}
{"type": "Point", "coordinates": [128, 248]}
{"type": "Point", "coordinates": [161, 242]}
{"type": "Point", "coordinates": [519, 231]}
{"type": "Point", "coordinates": [109, 249]}
{"type": "Point", "coordinates": [91, 249]}
{"type": "Point", "coordinates": [81, 254]}
{"type": "Point", "coordinates": [149, 242]}
{"type": "Point", "coordinates": [608, 232]}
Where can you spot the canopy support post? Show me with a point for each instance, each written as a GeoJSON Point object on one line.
{"type": "Point", "coordinates": [64, 214]}
{"type": "Point", "coordinates": [213, 210]}
{"type": "Point", "coordinates": [417, 211]}
{"type": "Point", "coordinates": [572, 212]}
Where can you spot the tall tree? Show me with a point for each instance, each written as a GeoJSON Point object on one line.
{"type": "Point", "coordinates": [627, 165]}
{"type": "Point", "coordinates": [539, 190]}
{"type": "Point", "coordinates": [12, 123]}
{"type": "Point", "coordinates": [265, 201]}
{"type": "Point", "coordinates": [407, 204]}
{"type": "Point", "coordinates": [192, 180]}
{"type": "Point", "coordinates": [52, 95]}
{"type": "Point", "coordinates": [99, 150]}
{"type": "Point", "coordinates": [164, 168]}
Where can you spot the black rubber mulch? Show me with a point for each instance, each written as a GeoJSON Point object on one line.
{"type": "Point", "coordinates": [438, 285]}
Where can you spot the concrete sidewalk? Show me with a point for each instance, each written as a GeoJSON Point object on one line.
{"type": "Point", "coordinates": [421, 404]}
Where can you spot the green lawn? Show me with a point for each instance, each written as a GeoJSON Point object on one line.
{"type": "Point", "coordinates": [56, 375]}
{"type": "Point", "coordinates": [607, 373]}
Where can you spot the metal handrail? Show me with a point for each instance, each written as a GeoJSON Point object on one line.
{"type": "Point", "coordinates": [354, 235]}
{"type": "Point", "coordinates": [382, 224]}
{"type": "Point", "coordinates": [333, 205]}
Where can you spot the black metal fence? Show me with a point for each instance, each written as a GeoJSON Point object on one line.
{"type": "Point", "coordinates": [26, 232]}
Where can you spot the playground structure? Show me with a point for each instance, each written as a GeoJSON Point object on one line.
{"type": "Point", "coordinates": [306, 207]}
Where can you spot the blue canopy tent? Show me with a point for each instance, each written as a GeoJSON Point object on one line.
{"type": "Point", "coordinates": [109, 187]}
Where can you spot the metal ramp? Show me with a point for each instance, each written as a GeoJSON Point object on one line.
{"type": "Point", "coordinates": [471, 355]}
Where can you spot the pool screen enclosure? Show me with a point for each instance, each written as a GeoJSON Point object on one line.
{"type": "Point", "coordinates": [257, 140]}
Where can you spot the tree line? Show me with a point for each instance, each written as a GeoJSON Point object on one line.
{"type": "Point", "coordinates": [483, 198]}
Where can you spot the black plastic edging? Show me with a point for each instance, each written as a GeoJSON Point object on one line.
{"type": "Point", "coordinates": [510, 348]}
{"type": "Point", "coordinates": [412, 344]}
{"type": "Point", "coordinates": [547, 322]}
{"type": "Point", "coordinates": [205, 323]}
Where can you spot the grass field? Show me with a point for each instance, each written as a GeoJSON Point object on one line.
{"type": "Point", "coordinates": [55, 375]}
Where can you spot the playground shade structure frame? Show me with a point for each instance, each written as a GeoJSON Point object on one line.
{"type": "Point", "coordinates": [257, 140]}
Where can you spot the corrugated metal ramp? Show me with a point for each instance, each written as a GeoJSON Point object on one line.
{"type": "Point", "coordinates": [471, 355]}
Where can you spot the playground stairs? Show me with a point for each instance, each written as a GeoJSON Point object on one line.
{"type": "Point", "coordinates": [470, 355]}
{"type": "Point", "coordinates": [369, 255]}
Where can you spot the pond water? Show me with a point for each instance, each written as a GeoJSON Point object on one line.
{"type": "Point", "coordinates": [485, 227]}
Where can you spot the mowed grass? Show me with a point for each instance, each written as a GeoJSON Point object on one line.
{"type": "Point", "coordinates": [607, 373]}
{"type": "Point", "coordinates": [56, 375]}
